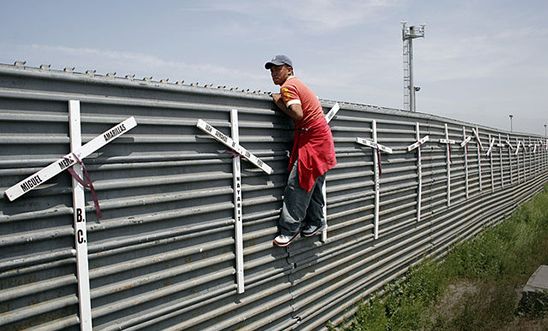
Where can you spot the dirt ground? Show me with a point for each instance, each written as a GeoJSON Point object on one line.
{"type": "Point", "coordinates": [472, 298]}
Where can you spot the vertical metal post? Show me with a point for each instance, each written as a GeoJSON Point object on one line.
{"type": "Point", "coordinates": [79, 218]}
{"type": "Point", "coordinates": [377, 179]}
{"type": "Point", "coordinates": [448, 153]}
{"type": "Point", "coordinates": [465, 162]}
{"type": "Point", "coordinates": [237, 184]}
{"type": "Point", "coordinates": [419, 170]}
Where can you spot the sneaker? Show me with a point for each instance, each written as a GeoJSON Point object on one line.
{"type": "Point", "coordinates": [311, 230]}
{"type": "Point", "coordinates": [283, 240]}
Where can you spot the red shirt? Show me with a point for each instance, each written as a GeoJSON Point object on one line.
{"type": "Point", "coordinates": [313, 146]}
{"type": "Point", "coordinates": [293, 92]}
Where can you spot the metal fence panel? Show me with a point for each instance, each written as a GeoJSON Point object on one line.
{"type": "Point", "coordinates": [163, 254]}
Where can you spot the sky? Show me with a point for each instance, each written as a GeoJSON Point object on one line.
{"type": "Point", "coordinates": [479, 62]}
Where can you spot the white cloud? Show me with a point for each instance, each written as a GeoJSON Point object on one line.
{"type": "Point", "coordinates": [309, 15]}
{"type": "Point", "coordinates": [325, 15]}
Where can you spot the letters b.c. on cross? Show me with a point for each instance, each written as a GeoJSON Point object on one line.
{"type": "Point", "coordinates": [72, 162]}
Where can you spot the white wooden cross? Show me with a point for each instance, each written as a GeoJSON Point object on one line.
{"type": "Point", "coordinates": [546, 153]}
{"type": "Point", "coordinates": [480, 148]}
{"type": "Point", "coordinates": [537, 164]}
{"type": "Point", "coordinates": [73, 159]}
{"type": "Point", "coordinates": [448, 143]}
{"type": "Point", "coordinates": [533, 156]}
{"type": "Point", "coordinates": [464, 143]}
{"type": "Point", "coordinates": [377, 169]}
{"type": "Point", "coordinates": [417, 145]}
{"type": "Point", "coordinates": [238, 204]}
{"type": "Point", "coordinates": [510, 148]}
{"type": "Point", "coordinates": [530, 157]}
{"type": "Point", "coordinates": [542, 159]}
{"type": "Point", "coordinates": [518, 145]}
{"type": "Point", "coordinates": [490, 154]}
{"type": "Point", "coordinates": [501, 145]}
{"type": "Point", "coordinates": [491, 144]}
{"type": "Point", "coordinates": [234, 144]}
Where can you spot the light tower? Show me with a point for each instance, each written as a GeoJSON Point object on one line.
{"type": "Point", "coordinates": [511, 128]}
{"type": "Point", "coordinates": [408, 34]}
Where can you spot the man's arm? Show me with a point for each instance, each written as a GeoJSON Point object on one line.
{"type": "Point", "coordinates": [295, 111]}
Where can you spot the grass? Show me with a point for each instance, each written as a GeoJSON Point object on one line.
{"type": "Point", "coordinates": [475, 288]}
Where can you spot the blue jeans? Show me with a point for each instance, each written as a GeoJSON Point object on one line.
{"type": "Point", "coordinates": [301, 208]}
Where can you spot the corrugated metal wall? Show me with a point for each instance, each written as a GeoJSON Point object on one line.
{"type": "Point", "coordinates": [163, 256]}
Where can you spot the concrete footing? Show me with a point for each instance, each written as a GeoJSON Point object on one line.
{"type": "Point", "coordinates": [534, 300]}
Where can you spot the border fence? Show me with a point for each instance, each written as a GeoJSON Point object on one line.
{"type": "Point", "coordinates": [189, 212]}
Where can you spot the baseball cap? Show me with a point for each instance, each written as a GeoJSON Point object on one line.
{"type": "Point", "coordinates": [278, 60]}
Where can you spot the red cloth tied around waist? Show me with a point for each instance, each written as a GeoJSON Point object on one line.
{"type": "Point", "coordinates": [314, 150]}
